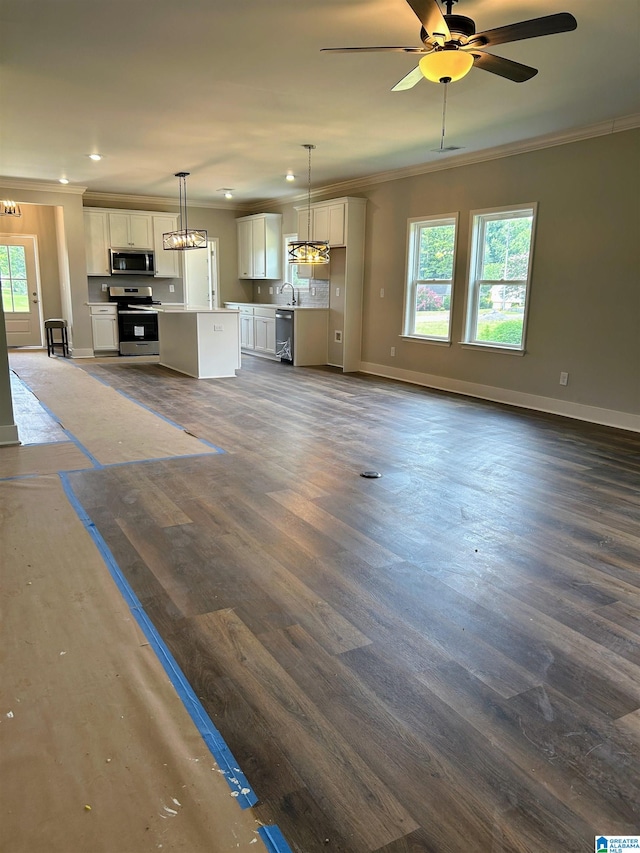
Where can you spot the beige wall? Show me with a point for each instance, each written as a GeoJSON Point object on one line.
{"type": "Point", "coordinates": [585, 291]}
{"type": "Point", "coordinates": [40, 220]}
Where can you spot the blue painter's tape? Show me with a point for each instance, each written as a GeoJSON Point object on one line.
{"type": "Point", "coordinates": [236, 780]}
{"type": "Point", "coordinates": [273, 839]}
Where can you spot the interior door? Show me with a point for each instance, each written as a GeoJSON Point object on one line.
{"type": "Point", "coordinates": [20, 290]}
{"type": "Point", "coordinates": [200, 276]}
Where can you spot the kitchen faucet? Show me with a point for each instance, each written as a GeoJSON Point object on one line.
{"type": "Point", "coordinates": [293, 293]}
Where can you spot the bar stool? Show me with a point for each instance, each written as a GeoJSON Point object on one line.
{"type": "Point", "coordinates": [49, 327]}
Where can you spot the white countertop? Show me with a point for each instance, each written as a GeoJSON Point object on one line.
{"type": "Point", "coordinates": [274, 306]}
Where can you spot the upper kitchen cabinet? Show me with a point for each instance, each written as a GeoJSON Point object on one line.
{"type": "Point", "coordinates": [96, 241]}
{"type": "Point", "coordinates": [259, 246]}
{"type": "Point", "coordinates": [131, 230]}
{"type": "Point", "coordinates": [328, 222]}
{"type": "Point", "coordinates": [167, 261]}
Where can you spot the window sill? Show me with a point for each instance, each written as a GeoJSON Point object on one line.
{"type": "Point", "coordinates": [420, 340]}
{"type": "Point", "coordinates": [492, 348]}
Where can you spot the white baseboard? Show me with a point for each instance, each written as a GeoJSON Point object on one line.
{"type": "Point", "coordinates": [592, 414]}
{"type": "Point", "coordinates": [9, 434]}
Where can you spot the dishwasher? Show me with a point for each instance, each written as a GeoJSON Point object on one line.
{"type": "Point", "coordinates": [284, 335]}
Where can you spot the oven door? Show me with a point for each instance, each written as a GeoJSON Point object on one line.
{"type": "Point", "coordinates": [138, 332]}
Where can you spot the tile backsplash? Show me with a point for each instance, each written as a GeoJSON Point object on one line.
{"type": "Point", "coordinates": [315, 296]}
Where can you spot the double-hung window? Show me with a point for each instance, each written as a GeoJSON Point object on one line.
{"type": "Point", "coordinates": [429, 285]}
{"type": "Point", "coordinates": [499, 277]}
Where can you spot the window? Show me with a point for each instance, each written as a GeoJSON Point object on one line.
{"type": "Point", "coordinates": [499, 275]}
{"type": "Point", "coordinates": [290, 271]}
{"type": "Point", "coordinates": [430, 264]}
{"type": "Point", "coordinates": [13, 272]}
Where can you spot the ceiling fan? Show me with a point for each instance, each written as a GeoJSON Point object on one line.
{"type": "Point", "coordinates": [451, 46]}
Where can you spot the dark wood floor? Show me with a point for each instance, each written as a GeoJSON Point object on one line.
{"type": "Point", "coordinates": [445, 659]}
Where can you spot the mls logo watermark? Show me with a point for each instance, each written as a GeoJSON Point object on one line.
{"type": "Point", "coordinates": [617, 843]}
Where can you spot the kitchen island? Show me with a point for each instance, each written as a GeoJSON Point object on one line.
{"type": "Point", "coordinates": [200, 342]}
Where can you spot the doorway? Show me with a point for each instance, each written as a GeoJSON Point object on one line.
{"type": "Point", "coordinates": [20, 278]}
{"type": "Point", "coordinates": [201, 271]}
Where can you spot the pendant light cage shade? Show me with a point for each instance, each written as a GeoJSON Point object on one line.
{"type": "Point", "coordinates": [446, 64]}
{"type": "Point", "coordinates": [185, 238]}
{"type": "Point", "coordinates": [9, 208]}
{"type": "Point", "coordinates": [308, 251]}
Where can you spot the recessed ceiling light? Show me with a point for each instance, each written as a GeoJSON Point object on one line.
{"type": "Point", "coordinates": [64, 180]}
{"type": "Point", "coordinates": [95, 156]}
{"type": "Point", "coordinates": [290, 177]}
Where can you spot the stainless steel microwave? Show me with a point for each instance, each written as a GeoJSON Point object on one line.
{"type": "Point", "coordinates": [132, 262]}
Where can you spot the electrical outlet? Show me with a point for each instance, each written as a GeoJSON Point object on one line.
{"type": "Point", "coordinates": [337, 291]}
{"type": "Point", "coordinates": [382, 296]}
{"type": "Point", "coordinates": [104, 287]}
{"type": "Point", "coordinates": [337, 336]}
{"type": "Point", "coordinates": [218, 328]}
{"type": "Point", "coordinates": [313, 291]}
{"type": "Point", "coordinates": [258, 288]}
{"type": "Point", "coordinates": [564, 378]}
{"type": "Point", "coordinates": [172, 288]}
{"type": "Point", "coordinates": [393, 350]}
{"type": "Point", "coordinates": [271, 291]}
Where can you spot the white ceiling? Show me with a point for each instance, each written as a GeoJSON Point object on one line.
{"type": "Point", "coordinates": [229, 90]}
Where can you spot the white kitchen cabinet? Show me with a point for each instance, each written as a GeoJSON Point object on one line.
{"type": "Point", "coordinates": [131, 230]}
{"type": "Point", "coordinates": [96, 242]}
{"type": "Point", "coordinates": [327, 222]}
{"type": "Point", "coordinates": [264, 330]}
{"type": "Point", "coordinates": [247, 339]}
{"type": "Point", "coordinates": [167, 261]}
{"type": "Point", "coordinates": [259, 246]}
{"type": "Point", "coordinates": [104, 326]}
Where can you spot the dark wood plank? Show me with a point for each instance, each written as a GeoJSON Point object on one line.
{"type": "Point", "coordinates": [444, 659]}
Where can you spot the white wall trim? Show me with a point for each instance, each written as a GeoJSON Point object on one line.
{"type": "Point", "coordinates": [40, 186]}
{"type": "Point", "coordinates": [9, 434]}
{"type": "Point", "coordinates": [592, 414]}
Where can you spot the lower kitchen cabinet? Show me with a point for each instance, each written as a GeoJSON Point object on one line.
{"type": "Point", "coordinates": [104, 327]}
{"type": "Point", "coordinates": [264, 330]}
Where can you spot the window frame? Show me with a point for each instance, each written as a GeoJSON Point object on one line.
{"type": "Point", "coordinates": [298, 282]}
{"type": "Point", "coordinates": [414, 226]}
{"type": "Point", "coordinates": [477, 224]}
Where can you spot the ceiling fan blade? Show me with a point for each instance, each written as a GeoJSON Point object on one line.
{"type": "Point", "coordinates": [563, 22]}
{"type": "Point", "coordinates": [431, 17]}
{"type": "Point", "coordinates": [503, 67]}
{"type": "Point", "coordinates": [409, 81]}
{"type": "Point", "coordinates": [373, 49]}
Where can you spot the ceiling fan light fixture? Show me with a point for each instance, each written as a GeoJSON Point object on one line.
{"type": "Point", "coordinates": [185, 238]}
{"type": "Point", "coordinates": [9, 208]}
{"type": "Point", "coordinates": [447, 64]}
{"type": "Point", "coordinates": [308, 251]}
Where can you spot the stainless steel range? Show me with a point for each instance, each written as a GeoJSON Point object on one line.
{"type": "Point", "coordinates": [137, 321]}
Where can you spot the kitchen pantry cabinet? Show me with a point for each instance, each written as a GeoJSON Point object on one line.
{"type": "Point", "coordinates": [259, 246]}
{"type": "Point", "coordinates": [131, 230]}
{"type": "Point", "coordinates": [96, 242]}
{"type": "Point", "coordinates": [104, 326]}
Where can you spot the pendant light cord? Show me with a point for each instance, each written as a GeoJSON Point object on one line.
{"type": "Point", "coordinates": [309, 147]}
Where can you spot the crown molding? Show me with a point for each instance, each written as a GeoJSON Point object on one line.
{"type": "Point", "coordinates": [108, 199]}
{"type": "Point", "coordinates": [41, 186]}
{"type": "Point", "coordinates": [538, 143]}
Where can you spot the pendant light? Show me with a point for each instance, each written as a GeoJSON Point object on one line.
{"type": "Point", "coordinates": [9, 208]}
{"type": "Point", "coordinates": [309, 251]}
{"type": "Point", "coordinates": [185, 238]}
